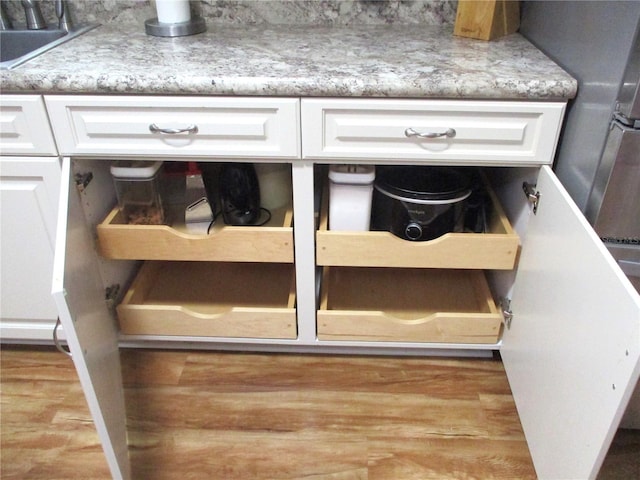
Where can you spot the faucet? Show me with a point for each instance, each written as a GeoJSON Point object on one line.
{"type": "Point", "coordinates": [35, 20]}
{"type": "Point", "coordinates": [62, 12]}
{"type": "Point", "coordinates": [5, 21]}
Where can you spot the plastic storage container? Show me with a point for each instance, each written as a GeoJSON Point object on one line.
{"type": "Point", "coordinates": [275, 184]}
{"type": "Point", "coordinates": [350, 192]}
{"type": "Point", "coordinates": [138, 189]}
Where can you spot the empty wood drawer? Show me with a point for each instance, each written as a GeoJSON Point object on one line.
{"type": "Point", "coordinates": [211, 299]}
{"type": "Point", "coordinates": [407, 305]}
{"type": "Point", "coordinates": [272, 242]}
{"type": "Point", "coordinates": [497, 249]}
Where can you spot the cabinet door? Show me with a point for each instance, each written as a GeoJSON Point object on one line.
{"type": "Point", "coordinates": [573, 346]}
{"type": "Point", "coordinates": [29, 189]}
{"type": "Point", "coordinates": [89, 326]}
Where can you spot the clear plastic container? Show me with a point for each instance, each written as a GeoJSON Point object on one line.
{"type": "Point", "coordinates": [138, 189]}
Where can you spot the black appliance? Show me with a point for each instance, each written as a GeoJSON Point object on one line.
{"type": "Point", "coordinates": [239, 194]}
{"type": "Point", "coordinates": [420, 203]}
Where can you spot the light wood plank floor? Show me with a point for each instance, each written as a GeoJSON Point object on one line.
{"type": "Point", "coordinates": [206, 415]}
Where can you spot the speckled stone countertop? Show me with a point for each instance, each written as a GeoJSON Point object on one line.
{"type": "Point", "coordinates": [360, 61]}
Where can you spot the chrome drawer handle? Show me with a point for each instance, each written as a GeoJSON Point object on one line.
{"type": "Point", "coordinates": [153, 128]}
{"type": "Point", "coordinates": [449, 133]}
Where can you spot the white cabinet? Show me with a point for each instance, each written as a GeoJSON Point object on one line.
{"type": "Point", "coordinates": [438, 131]}
{"type": "Point", "coordinates": [89, 327]}
{"type": "Point", "coordinates": [228, 127]}
{"type": "Point", "coordinates": [572, 349]}
{"type": "Point", "coordinates": [567, 353]}
{"type": "Point", "coordinates": [29, 191]}
{"type": "Point", "coordinates": [24, 126]}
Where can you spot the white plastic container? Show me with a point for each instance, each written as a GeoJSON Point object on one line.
{"type": "Point", "coordinates": [138, 190]}
{"type": "Point", "coordinates": [275, 184]}
{"type": "Point", "coordinates": [350, 193]}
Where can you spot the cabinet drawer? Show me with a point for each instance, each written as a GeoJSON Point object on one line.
{"type": "Point", "coordinates": [408, 305]}
{"type": "Point", "coordinates": [272, 242]}
{"type": "Point", "coordinates": [212, 300]}
{"type": "Point", "coordinates": [221, 127]}
{"type": "Point", "coordinates": [24, 126]}
{"type": "Point", "coordinates": [496, 249]}
{"type": "Point", "coordinates": [486, 132]}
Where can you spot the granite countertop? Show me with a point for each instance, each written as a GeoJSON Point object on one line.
{"type": "Point", "coordinates": [360, 61]}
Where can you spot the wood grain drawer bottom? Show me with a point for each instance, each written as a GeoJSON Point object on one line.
{"type": "Point", "coordinates": [211, 299]}
{"type": "Point", "coordinates": [407, 305]}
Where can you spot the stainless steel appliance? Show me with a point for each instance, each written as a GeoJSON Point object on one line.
{"type": "Point", "coordinates": [614, 202]}
{"type": "Point", "coordinates": [598, 156]}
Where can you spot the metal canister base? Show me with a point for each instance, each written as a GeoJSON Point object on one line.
{"type": "Point", "coordinates": [157, 29]}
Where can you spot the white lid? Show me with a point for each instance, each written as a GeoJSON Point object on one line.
{"type": "Point", "coordinates": [352, 174]}
{"type": "Point", "coordinates": [135, 169]}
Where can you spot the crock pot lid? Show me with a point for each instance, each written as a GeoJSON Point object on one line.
{"type": "Point", "coordinates": [423, 183]}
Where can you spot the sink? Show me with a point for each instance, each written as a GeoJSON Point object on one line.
{"type": "Point", "coordinates": [19, 46]}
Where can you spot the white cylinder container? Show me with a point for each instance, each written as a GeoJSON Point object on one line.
{"type": "Point", "coordinates": [173, 11]}
{"type": "Point", "coordinates": [275, 184]}
{"type": "Point", "coordinates": [350, 193]}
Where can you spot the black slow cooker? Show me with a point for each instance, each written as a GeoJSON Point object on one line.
{"type": "Point", "coordinates": [419, 203]}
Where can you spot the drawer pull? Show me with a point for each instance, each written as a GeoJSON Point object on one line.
{"type": "Point", "coordinates": [153, 128]}
{"type": "Point", "coordinates": [449, 133]}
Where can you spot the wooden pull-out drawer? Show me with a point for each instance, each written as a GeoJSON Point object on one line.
{"type": "Point", "coordinates": [496, 249]}
{"type": "Point", "coordinates": [24, 126]}
{"type": "Point", "coordinates": [407, 305]}
{"type": "Point", "coordinates": [211, 299]}
{"type": "Point", "coordinates": [463, 132]}
{"type": "Point", "coordinates": [218, 127]}
{"type": "Point", "coordinates": [272, 242]}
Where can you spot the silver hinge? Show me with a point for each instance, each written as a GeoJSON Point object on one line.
{"type": "Point", "coordinates": [507, 314]}
{"type": "Point", "coordinates": [82, 180]}
{"type": "Point", "coordinates": [532, 195]}
{"type": "Point", "coordinates": [56, 341]}
{"type": "Point", "coordinates": [111, 295]}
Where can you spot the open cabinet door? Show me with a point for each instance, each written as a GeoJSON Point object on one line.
{"type": "Point", "coordinates": [572, 350]}
{"type": "Point", "coordinates": [89, 326]}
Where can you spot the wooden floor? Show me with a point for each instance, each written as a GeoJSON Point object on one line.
{"type": "Point", "coordinates": [205, 415]}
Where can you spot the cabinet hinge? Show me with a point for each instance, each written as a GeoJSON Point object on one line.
{"type": "Point", "coordinates": [532, 195]}
{"type": "Point", "coordinates": [111, 295]}
{"type": "Point", "coordinates": [82, 180]}
{"type": "Point", "coordinates": [507, 314]}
